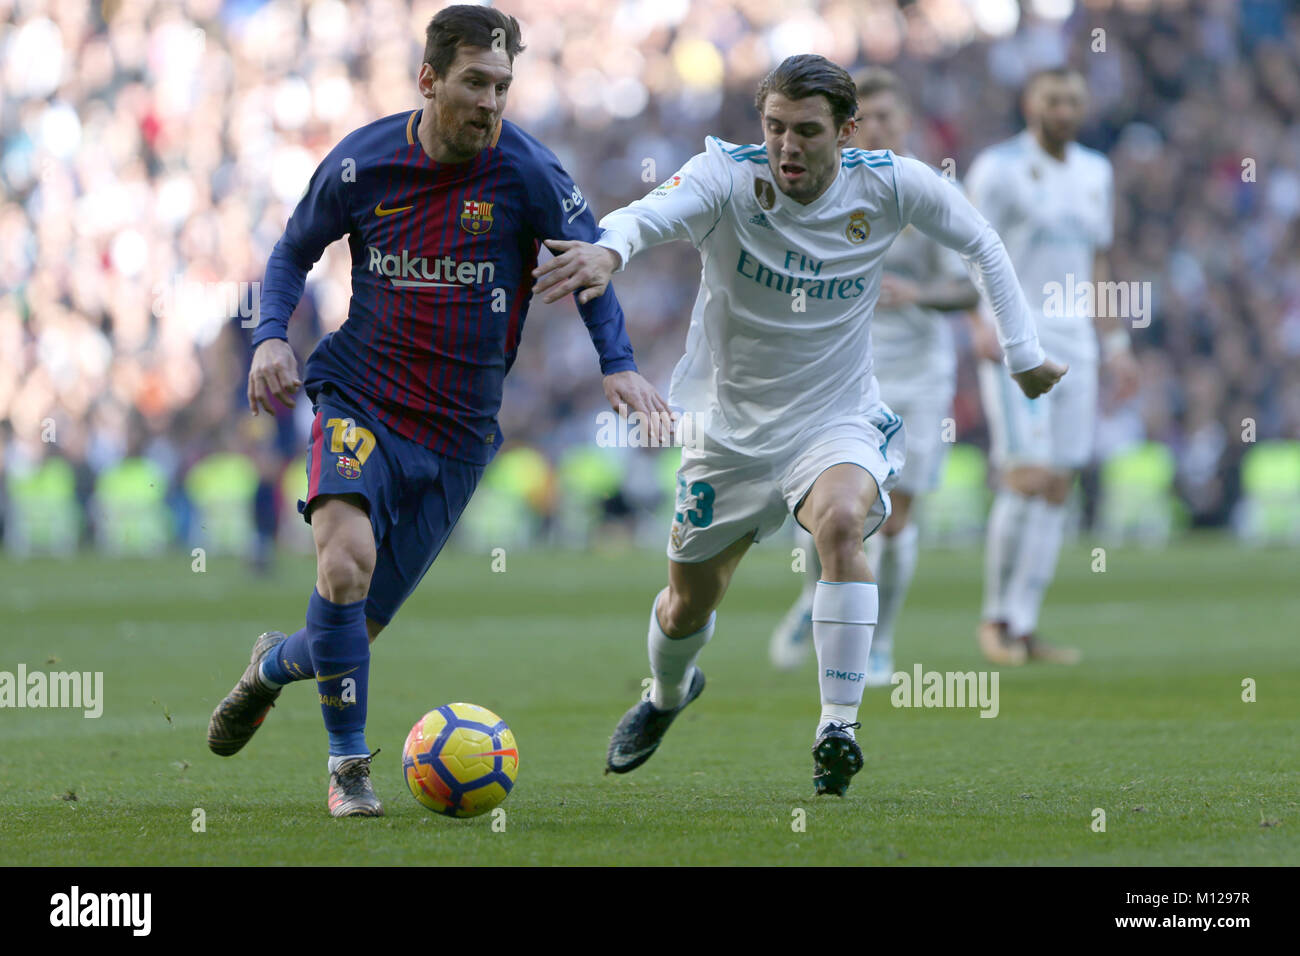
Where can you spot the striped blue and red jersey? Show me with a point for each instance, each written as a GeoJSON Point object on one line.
{"type": "Point", "coordinates": [442, 256]}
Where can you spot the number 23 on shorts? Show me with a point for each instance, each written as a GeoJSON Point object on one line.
{"type": "Point", "coordinates": [702, 514]}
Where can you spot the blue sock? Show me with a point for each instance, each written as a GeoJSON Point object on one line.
{"type": "Point", "coordinates": [264, 510]}
{"type": "Point", "coordinates": [340, 652]}
{"type": "Point", "coordinates": [291, 661]}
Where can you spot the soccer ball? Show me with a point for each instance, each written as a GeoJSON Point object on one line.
{"type": "Point", "coordinates": [460, 760]}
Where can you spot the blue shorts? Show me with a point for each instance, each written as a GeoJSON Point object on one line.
{"type": "Point", "coordinates": [414, 496]}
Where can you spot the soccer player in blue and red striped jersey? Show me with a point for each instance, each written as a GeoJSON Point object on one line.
{"type": "Point", "coordinates": [445, 209]}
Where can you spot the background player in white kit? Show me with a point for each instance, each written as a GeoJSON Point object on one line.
{"type": "Point", "coordinates": [916, 366]}
{"type": "Point", "coordinates": [1051, 201]}
{"type": "Point", "coordinates": [777, 375]}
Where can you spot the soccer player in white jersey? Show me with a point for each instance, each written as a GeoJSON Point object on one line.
{"type": "Point", "coordinates": [1051, 201]}
{"type": "Point", "coordinates": [777, 376]}
{"type": "Point", "coordinates": [916, 366]}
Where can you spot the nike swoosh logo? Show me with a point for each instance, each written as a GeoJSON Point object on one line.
{"type": "Point", "coordinates": [512, 752]}
{"type": "Point", "coordinates": [324, 677]}
{"type": "Point", "coordinates": [381, 211]}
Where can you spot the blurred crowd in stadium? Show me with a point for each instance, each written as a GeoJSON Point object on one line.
{"type": "Point", "coordinates": [152, 153]}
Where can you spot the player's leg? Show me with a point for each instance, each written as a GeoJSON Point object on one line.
{"type": "Point", "coordinates": [1018, 439]}
{"type": "Point", "coordinates": [891, 554]}
{"type": "Point", "coordinates": [291, 660]}
{"type": "Point", "coordinates": [431, 496]}
{"type": "Point", "coordinates": [264, 516]}
{"type": "Point", "coordinates": [345, 555]}
{"type": "Point", "coordinates": [1010, 549]}
{"type": "Point", "coordinates": [725, 501]}
{"type": "Point", "coordinates": [334, 647]}
{"type": "Point", "coordinates": [681, 623]}
{"type": "Point", "coordinates": [336, 632]}
{"type": "Point", "coordinates": [1037, 568]}
{"type": "Point", "coordinates": [788, 646]}
{"type": "Point", "coordinates": [845, 604]}
{"type": "Point", "coordinates": [350, 484]}
{"type": "Point", "coordinates": [838, 488]}
{"type": "Point", "coordinates": [1072, 426]}
{"type": "Point", "coordinates": [436, 494]}
{"type": "Point", "coordinates": [683, 613]}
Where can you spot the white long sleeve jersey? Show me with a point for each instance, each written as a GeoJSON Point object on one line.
{"type": "Point", "coordinates": [780, 335]}
{"type": "Point", "coordinates": [1054, 217]}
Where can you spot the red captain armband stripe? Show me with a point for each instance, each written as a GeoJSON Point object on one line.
{"type": "Point", "coordinates": [315, 452]}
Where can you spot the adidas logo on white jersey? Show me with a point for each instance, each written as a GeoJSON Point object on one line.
{"type": "Point", "coordinates": [760, 220]}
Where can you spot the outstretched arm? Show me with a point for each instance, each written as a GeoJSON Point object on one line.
{"type": "Point", "coordinates": [560, 212]}
{"type": "Point", "coordinates": [320, 217]}
{"type": "Point", "coordinates": [943, 295]}
{"type": "Point", "coordinates": [685, 206]}
{"type": "Point", "coordinates": [575, 266]}
{"type": "Point", "coordinates": [938, 209]}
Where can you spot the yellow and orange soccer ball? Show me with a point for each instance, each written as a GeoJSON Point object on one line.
{"type": "Point", "coordinates": [460, 760]}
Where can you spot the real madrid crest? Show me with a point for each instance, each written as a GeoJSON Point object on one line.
{"type": "Point", "coordinates": [858, 228]}
{"type": "Point", "coordinates": [765, 193]}
{"type": "Point", "coordinates": [476, 216]}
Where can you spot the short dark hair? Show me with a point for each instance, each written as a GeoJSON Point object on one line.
{"type": "Point", "coordinates": [807, 74]}
{"type": "Point", "coordinates": [1053, 72]}
{"type": "Point", "coordinates": [872, 80]}
{"type": "Point", "coordinates": [467, 24]}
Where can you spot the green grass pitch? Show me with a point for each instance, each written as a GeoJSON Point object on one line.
{"type": "Point", "coordinates": [1151, 727]}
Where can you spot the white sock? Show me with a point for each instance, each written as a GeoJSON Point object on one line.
{"type": "Point", "coordinates": [336, 761]}
{"type": "Point", "coordinates": [894, 576]}
{"type": "Point", "coordinates": [1036, 566]}
{"type": "Point", "coordinates": [844, 615]}
{"type": "Point", "coordinates": [672, 661]}
{"type": "Point", "coordinates": [1007, 521]}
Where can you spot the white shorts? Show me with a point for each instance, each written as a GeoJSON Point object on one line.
{"type": "Point", "coordinates": [723, 495]}
{"type": "Point", "coordinates": [1054, 430]}
{"type": "Point", "coordinates": [926, 449]}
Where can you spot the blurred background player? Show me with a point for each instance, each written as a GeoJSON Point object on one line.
{"type": "Point", "coordinates": [445, 209]}
{"type": "Point", "coordinates": [1051, 200]}
{"type": "Point", "coordinates": [273, 441]}
{"type": "Point", "coordinates": [777, 371]}
{"type": "Point", "coordinates": [915, 362]}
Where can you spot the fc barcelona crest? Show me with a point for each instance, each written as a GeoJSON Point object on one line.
{"type": "Point", "coordinates": [348, 467]}
{"type": "Point", "coordinates": [476, 216]}
{"type": "Point", "coordinates": [858, 228]}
